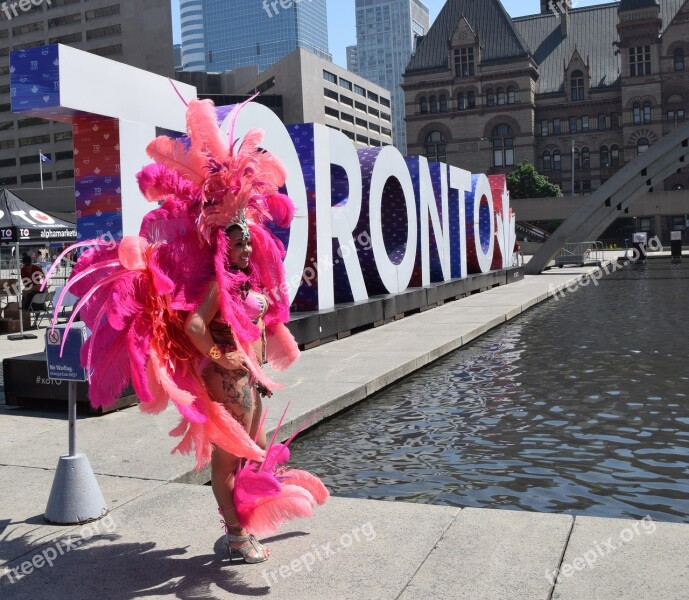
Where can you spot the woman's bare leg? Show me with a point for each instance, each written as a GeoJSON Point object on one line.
{"type": "Point", "coordinates": [232, 389]}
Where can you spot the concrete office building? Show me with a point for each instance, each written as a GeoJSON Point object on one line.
{"type": "Point", "coordinates": [304, 88]}
{"type": "Point", "coordinates": [136, 33]}
{"type": "Point", "coordinates": [193, 40]}
{"type": "Point", "coordinates": [386, 31]}
{"type": "Point", "coordinates": [237, 33]}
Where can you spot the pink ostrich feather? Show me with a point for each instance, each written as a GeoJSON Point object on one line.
{"type": "Point", "coordinates": [175, 155]}
{"type": "Point", "coordinates": [308, 481]}
{"type": "Point", "coordinates": [108, 383]}
{"type": "Point", "coordinates": [281, 347]}
{"type": "Point", "coordinates": [264, 515]}
{"type": "Point", "coordinates": [268, 494]}
{"type": "Point", "coordinates": [220, 429]}
{"type": "Point", "coordinates": [157, 182]}
{"type": "Point", "coordinates": [203, 130]}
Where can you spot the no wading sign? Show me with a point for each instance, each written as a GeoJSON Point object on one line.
{"type": "Point", "coordinates": [66, 365]}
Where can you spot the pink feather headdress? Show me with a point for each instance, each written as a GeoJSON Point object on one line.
{"type": "Point", "coordinates": [235, 183]}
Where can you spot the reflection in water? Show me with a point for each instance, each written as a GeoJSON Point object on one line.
{"type": "Point", "coordinates": [579, 406]}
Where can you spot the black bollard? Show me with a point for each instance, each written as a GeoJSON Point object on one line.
{"type": "Point", "coordinates": [676, 246]}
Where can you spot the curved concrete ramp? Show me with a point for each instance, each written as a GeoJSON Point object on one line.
{"type": "Point", "coordinates": [616, 195]}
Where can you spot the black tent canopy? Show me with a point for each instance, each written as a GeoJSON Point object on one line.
{"type": "Point", "coordinates": [22, 224]}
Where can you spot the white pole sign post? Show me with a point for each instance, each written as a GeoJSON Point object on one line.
{"type": "Point", "coordinates": [75, 496]}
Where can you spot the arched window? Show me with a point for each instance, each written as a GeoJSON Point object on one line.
{"type": "Point", "coordinates": [604, 156]}
{"type": "Point", "coordinates": [511, 96]}
{"type": "Point", "coordinates": [648, 113]}
{"type": "Point", "coordinates": [615, 155]}
{"type": "Point", "coordinates": [502, 143]}
{"type": "Point", "coordinates": [577, 81]}
{"type": "Point", "coordinates": [641, 145]}
{"type": "Point", "coordinates": [636, 113]}
{"type": "Point", "coordinates": [490, 97]}
{"type": "Point", "coordinates": [501, 96]}
{"type": "Point", "coordinates": [557, 160]}
{"type": "Point", "coordinates": [434, 104]}
{"type": "Point", "coordinates": [679, 59]}
{"type": "Point", "coordinates": [423, 105]}
{"type": "Point", "coordinates": [436, 149]}
{"type": "Point", "coordinates": [471, 100]}
{"type": "Point", "coordinates": [547, 161]}
{"type": "Point", "coordinates": [443, 103]}
{"type": "Point", "coordinates": [461, 101]}
{"type": "Point", "coordinates": [576, 159]}
{"type": "Point", "coordinates": [585, 158]}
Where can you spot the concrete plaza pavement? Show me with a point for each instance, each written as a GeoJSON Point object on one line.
{"type": "Point", "coordinates": [162, 538]}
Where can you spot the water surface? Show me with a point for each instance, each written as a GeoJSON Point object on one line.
{"type": "Point", "coordinates": [580, 405]}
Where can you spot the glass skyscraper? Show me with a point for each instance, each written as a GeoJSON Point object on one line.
{"type": "Point", "coordinates": [385, 36]}
{"type": "Point", "coordinates": [240, 33]}
{"type": "Point", "coordinates": [193, 47]}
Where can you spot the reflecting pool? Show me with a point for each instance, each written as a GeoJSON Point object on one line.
{"type": "Point", "coordinates": [580, 405]}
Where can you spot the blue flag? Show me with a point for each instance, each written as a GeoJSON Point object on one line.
{"type": "Point", "coordinates": [43, 157]}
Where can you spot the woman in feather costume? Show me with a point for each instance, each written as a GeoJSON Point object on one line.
{"type": "Point", "coordinates": [191, 309]}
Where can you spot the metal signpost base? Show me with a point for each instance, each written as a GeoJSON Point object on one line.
{"type": "Point", "coordinates": [75, 496]}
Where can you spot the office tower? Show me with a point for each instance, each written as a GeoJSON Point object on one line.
{"type": "Point", "coordinates": [138, 34]}
{"type": "Point", "coordinates": [177, 56]}
{"type": "Point", "coordinates": [385, 33]}
{"type": "Point", "coordinates": [193, 44]}
{"type": "Point", "coordinates": [352, 59]}
{"type": "Point", "coordinates": [305, 88]}
{"type": "Point", "coordinates": [237, 33]}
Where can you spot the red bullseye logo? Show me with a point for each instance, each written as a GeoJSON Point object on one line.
{"type": "Point", "coordinates": [24, 233]}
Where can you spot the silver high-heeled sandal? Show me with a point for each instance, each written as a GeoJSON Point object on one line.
{"type": "Point", "coordinates": [245, 550]}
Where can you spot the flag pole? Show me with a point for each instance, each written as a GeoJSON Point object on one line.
{"type": "Point", "coordinates": [40, 165]}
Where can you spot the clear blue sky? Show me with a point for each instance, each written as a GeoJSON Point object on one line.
{"type": "Point", "coordinates": [342, 31]}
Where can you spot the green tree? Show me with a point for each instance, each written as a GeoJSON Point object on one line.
{"type": "Point", "coordinates": [526, 182]}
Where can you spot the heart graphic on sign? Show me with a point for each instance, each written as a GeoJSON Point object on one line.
{"type": "Point", "coordinates": [95, 128]}
{"type": "Point", "coordinates": [106, 136]}
{"type": "Point", "coordinates": [96, 170]}
{"type": "Point", "coordinates": [77, 194]}
{"type": "Point", "coordinates": [46, 98]}
{"type": "Point", "coordinates": [56, 62]}
{"type": "Point", "coordinates": [76, 151]}
{"type": "Point", "coordinates": [118, 191]}
{"type": "Point", "coordinates": [87, 202]}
